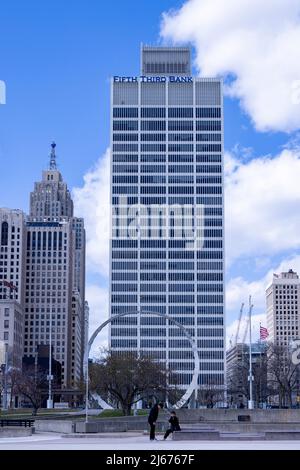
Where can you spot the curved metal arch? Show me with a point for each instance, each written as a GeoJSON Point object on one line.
{"type": "Point", "coordinates": [194, 382]}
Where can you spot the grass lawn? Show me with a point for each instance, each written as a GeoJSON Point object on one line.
{"type": "Point", "coordinates": [26, 413]}
{"type": "Point", "coordinates": [117, 413]}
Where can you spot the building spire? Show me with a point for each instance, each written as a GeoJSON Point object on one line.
{"type": "Point", "coordinates": [53, 157]}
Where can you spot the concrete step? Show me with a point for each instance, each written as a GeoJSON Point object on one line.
{"type": "Point", "coordinates": [236, 436]}
{"type": "Point", "coordinates": [107, 435]}
{"type": "Point", "coordinates": [193, 435]}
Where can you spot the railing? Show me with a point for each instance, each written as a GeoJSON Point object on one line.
{"type": "Point", "coordinates": [27, 423]}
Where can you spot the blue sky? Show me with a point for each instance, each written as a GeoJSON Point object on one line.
{"type": "Point", "coordinates": [56, 58]}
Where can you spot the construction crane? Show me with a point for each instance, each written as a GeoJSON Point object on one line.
{"type": "Point", "coordinates": [248, 320]}
{"type": "Point", "coordinates": [246, 330]}
{"type": "Point", "coordinates": [239, 325]}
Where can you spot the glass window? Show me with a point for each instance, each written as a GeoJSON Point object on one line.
{"type": "Point", "coordinates": [4, 234]}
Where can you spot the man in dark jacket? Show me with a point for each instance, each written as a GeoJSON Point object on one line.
{"type": "Point", "coordinates": [174, 425]}
{"type": "Point", "coordinates": [152, 418]}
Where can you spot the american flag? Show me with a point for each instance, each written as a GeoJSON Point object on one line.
{"type": "Point", "coordinates": [10, 285]}
{"type": "Point", "coordinates": [263, 333]}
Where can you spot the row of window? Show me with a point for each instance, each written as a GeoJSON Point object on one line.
{"type": "Point", "coordinates": [160, 179]}
{"type": "Point", "coordinates": [150, 320]}
{"type": "Point", "coordinates": [125, 200]}
{"type": "Point", "coordinates": [163, 169]}
{"type": "Point", "coordinates": [170, 148]}
{"type": "Point", "coordinates": [163, 190]}
{"type": "Point", "coordinates": [133, 158]}
{"type": "Point", "coordinates": [46, 241]}
{"type": "Point", "coordinates": [172, 309]}
{"type": "Point", "coordinates": [163, 332]}
{"type": "Point", "coordinates": [132, 287]}
{"type": "Point", "coordinates": [161, 137]}
{"type": "Point", "coordinates": [202, 355]}
{"type": "Point", "coordinates": [131, 125]}
{"type": "Point", "coordinates": [176, 244]}
{"type": "Point", "coordinates": [161, 112]}
{"type": "Point", "coordinates": [207, 211]}
{"type": "Point", "coordinates": [121, 287]}
{"type": "Point", "coordinates": [188, 254]}
{"type": "Point", "coordinates": [160, 343]}
{"type": "Point", "coordinates": [156, 298]}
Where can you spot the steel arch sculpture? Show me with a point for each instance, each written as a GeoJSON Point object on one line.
{"type": "Point", "coordinates": [193, 385]}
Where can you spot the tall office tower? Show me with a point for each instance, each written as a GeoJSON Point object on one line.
{"type": "Point", "coordinates": [78, 322]}
{"type": "Point", "coordinates": [55, 275]}
{"type": "Point", "coordinates": [166, 252]}
{"type": "Point", "coordinates": [283, 308]}
{"type": "Point", "coordinates": [12, 266]}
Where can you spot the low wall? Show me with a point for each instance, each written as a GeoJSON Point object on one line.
{"type": "Point", "coordinates": [231, 415]}
{"type": "Point", "coordinates": [282, 436]}
{"type": "Point", "coordinates": [54, 425]}
{"type": "Point", "coordinates": [246, 427]}
{"type": "Point", "coordinates": [123, 424]}
{"type": "Point", "coordinates": [219, 420]}
{"type": "Point", "coordinates": [11, 431]}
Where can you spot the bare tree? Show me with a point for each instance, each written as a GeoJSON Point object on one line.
{"type": "Point", "coordinates": [238, 377]}
{"type": "Point", "coordinates": [1, 384]}
{"type": "Point", "coordinates": [282, 373]}
{"type": "Point", "coordinates": [209, 395]}
{"type": "Point", "coordinates": [12, 377]}
{"type": "Point", "coordinates": [32, 384]}
{"type": "Point", "coordinates": [126, 379]}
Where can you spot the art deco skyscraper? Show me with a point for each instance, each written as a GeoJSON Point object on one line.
{"type": "Point", "coordinates": [55, 274]}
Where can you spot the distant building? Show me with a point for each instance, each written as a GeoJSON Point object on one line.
{"type": "Point", "coordinates": [55, 275]}
{"type": "Point", "coordinates": [12, 269]}
{"type": "Point", "coordinates": [237, 368]}
{"type": "Point", "coordinates": [40, 364]}
{"type": "Point", "coordinates": [283, 308]}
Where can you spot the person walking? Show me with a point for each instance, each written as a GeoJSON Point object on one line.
{"type": "Point", "coordinates": [152, 418]}
{"type": "Point", "coordinates": [174, 425]}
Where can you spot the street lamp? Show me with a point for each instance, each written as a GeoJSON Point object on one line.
{"type": "Point", "coordinates": [250, 402]}
{"type": "Point", "coordinates": [50, 376]}
{"type": "Point", "coordinates": [5, 370]}
{"type": "Point", "coordinates": [87, 388]}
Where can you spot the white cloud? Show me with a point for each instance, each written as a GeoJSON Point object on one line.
{"type": "Point", "coordinates": [91, 201]}
{"type": "Point", "coordinates": [255, 43]}
{"type": "Point", "coordinates": [262, 200]}
{"type": "Point", "coordinates": [238, 291]}
{"type": "Point", "coordinates": [98, 302]}
{"type": "Point", "coordinates": [231, 330]}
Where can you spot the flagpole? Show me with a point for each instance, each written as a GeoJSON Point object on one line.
{"type": "Point", "coordinates": [260, 332]}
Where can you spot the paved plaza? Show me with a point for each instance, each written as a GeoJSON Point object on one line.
{"type": "Point", "coordinates": [52, 441]}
